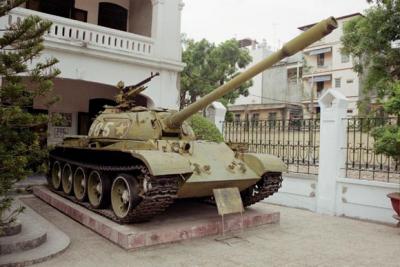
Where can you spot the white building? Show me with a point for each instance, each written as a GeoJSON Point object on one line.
{"type": "Point", "coordinates": [101, 43]}
{"type": "Point", "coordinates": [328, 68]}
{"type": "Point", "coordinates": [276, 93]}
{"type": "Point", "coordinates": [257, 52]}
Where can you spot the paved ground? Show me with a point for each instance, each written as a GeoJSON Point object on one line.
{"type": "Point", "coordinates": [302, 239]}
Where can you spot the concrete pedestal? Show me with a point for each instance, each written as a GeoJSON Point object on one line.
{"type": "Point", "coordinates": [180, 222]}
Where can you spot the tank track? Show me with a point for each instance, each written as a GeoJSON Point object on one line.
{"type": "Point", "coordinates": [161, 195]}
{"type": "Point", "coordinates": [267, 186]}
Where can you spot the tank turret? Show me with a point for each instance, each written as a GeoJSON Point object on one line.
{"type": "Point", "coordinates": [297, 44]}
{"type": "Point", "coordinates": [136, 161]}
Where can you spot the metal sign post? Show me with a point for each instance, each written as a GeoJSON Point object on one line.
{"type": "Point", "coordinates": [228, 201]}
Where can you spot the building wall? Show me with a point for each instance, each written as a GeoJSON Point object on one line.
{"type": "Point", "coordinates": [74, 98]}
{"type": "Point", "coordinates": [82, 57]}
{"type": "Point", "coordinates": [275, 85]}
{"type": "Point", "coordinates": [109, 71]}
{"type": "Point", "coordinates": [263, 112]}
{"type": "Point", "coordinates": [334, 67]}
{"type": "Point", "coordinates": [255, 92]}
{"type": "Point", "coordinates": [139, 13]}
{"type": "Point", "coordinates": [75, 95]}
{"type": "Point", "coordinates": [92, 7]}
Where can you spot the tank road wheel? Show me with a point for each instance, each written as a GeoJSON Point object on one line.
{"type": "Point", "coordinates": [98, 189]}
{"type": "Point", "coordinates": [124, 195]}
{"type": "Point", "coordinates": [66, 179]}
{"type": "Point", "coordinates": [55, 181]}
{"type": "Point", "coordinates": [80, 184]}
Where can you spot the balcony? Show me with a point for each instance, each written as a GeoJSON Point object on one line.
{"type": "Point", "coordinates": [80, 34]}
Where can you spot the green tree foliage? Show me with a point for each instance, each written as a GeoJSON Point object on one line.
{"type": "Point", "coordinates": [368, 39]}
{"type": "Point", "coordinates": [21, 152]}
{"type": "Point", "coordinates": [208, 66]}
{"type": "Point", "coordinates": [204, 129]}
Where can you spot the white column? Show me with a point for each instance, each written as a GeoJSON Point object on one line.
{"type": "Point", "coordinates": [165, 28]}
{"type": "Point", "coordinates": [216, 114]}
{"type": "Point", "coordinates": [156, 26]}
{"type": "Point", "coordinates": [332, 155]}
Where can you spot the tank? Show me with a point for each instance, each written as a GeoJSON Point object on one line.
{"type": "Point", "coordinates": [136, 161]}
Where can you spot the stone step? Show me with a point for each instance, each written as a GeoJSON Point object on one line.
{"type": "Point", "coordinates": [13, 229]}
{"type": "Point", "coordinates": [31, 236]}
{"type": "Point", "coordinates": [56, 241]}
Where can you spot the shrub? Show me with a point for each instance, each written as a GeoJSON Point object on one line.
{"type": "Point", "coordinates": [204, 129]}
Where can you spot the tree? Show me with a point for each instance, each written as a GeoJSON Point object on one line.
{"type": "Point", "coordinates": [368, 39]}
{"type": "Point", "coordinates": [209, 66]}
{"type": "Point", "coordinates": [21, 152]}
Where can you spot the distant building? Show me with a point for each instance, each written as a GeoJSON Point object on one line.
{"type": "Point", "coordinates": [275, 93]}
{"type": "Point", "coordinates": [257, 52]}
{"type": "Point", "coordinates": [326, 67]}
{"type": "Point", "coordinates": [100, 43]}
{"type": "Point", "coordinates": [291, 88]}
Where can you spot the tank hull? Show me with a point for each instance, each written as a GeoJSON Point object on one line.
{"type": "Point", "coordinates": [214, 165]}
{"type": "Point", "coordinates": [164, 170]}
{"type": "Point", "coordinates": [205, 166]}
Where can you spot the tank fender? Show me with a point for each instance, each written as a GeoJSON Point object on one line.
{"type": "Point", "coordinates": [163, 163]}
{"type": "Point", "coordinates": [262, 163]}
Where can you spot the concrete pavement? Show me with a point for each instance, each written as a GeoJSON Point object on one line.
{"type": "Point", "coordinates": [301, 239]}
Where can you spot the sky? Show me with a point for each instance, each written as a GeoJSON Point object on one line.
{"type": "Point", "coordinates": [276, 21]}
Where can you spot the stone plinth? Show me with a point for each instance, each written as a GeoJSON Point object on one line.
{"type": "Point", "coordinates": [183, 220]}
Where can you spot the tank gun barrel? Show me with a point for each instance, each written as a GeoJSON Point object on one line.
{"type": "Point", "coordinates": [297, 44]}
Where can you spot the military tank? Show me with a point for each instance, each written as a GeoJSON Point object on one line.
{"type": "Point", "coordinates": [136, 161]}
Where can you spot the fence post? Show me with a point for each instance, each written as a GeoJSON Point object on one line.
{"type": "Point", "coordinates": [332, 155]}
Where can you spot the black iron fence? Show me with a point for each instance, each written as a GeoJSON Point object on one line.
{"type": "Point", "coordinates": [295, 141]}
{"type": "Point", "coordinates": [361, 160]}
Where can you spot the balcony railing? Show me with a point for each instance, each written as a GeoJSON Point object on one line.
{"type": "Point", "coordinates": [88, 35]}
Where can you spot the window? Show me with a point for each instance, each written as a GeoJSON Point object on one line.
{"type": "Point", "coordinates": [237, 117]}
{"type": "Point", "coordinates": [349, 81]}
{"type": "Point", "coordinates": [54, 7]}
{"type": "Point", "coordinates": [79, 14]}
{"type": "Point", "coordinates": [338, 82]}
{"type": "Point", "coordinates": [272, 116]}
{"type": "Point", "coordinates": [113, 16]}
{"type": "Point", "coordinates": [271, 119]}
{"type": "Point", "coordinates": [349, 111]}
{"type": "Point", "coordinates": [345, 58]}
{"type": "Point", "coordinates": [254, 118]}
{"type": "Point", "coordinates": [320, 88]}
{"type": "Point", "coordinates": [320, 60]}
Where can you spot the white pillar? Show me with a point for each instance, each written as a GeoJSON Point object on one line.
{"type": "Point", "coordinates": [166, 28]}
{"type": "Point", "coordinates": [216, 114]}
{"type": "Point", "coordinates": [332, 155]}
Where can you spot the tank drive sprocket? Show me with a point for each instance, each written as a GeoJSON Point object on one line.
{"type": "Point", "coordinates": [268, 185]}
{"type": "Point", "coordinates": [265, 187]}
{"type": "Point", "coordinates": [161, 194]}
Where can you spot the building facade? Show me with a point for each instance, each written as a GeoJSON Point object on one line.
{"type": "Point", "coordinates": [291, 88]}
{"type": "Point", "coordinates": [276, 93]}
{"type": "Point", "coordinates": [326, 67]}
{"type": "Point", "coordinates": [257, 52]}
{"type": "Point", "coordinates": [101, 43]}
